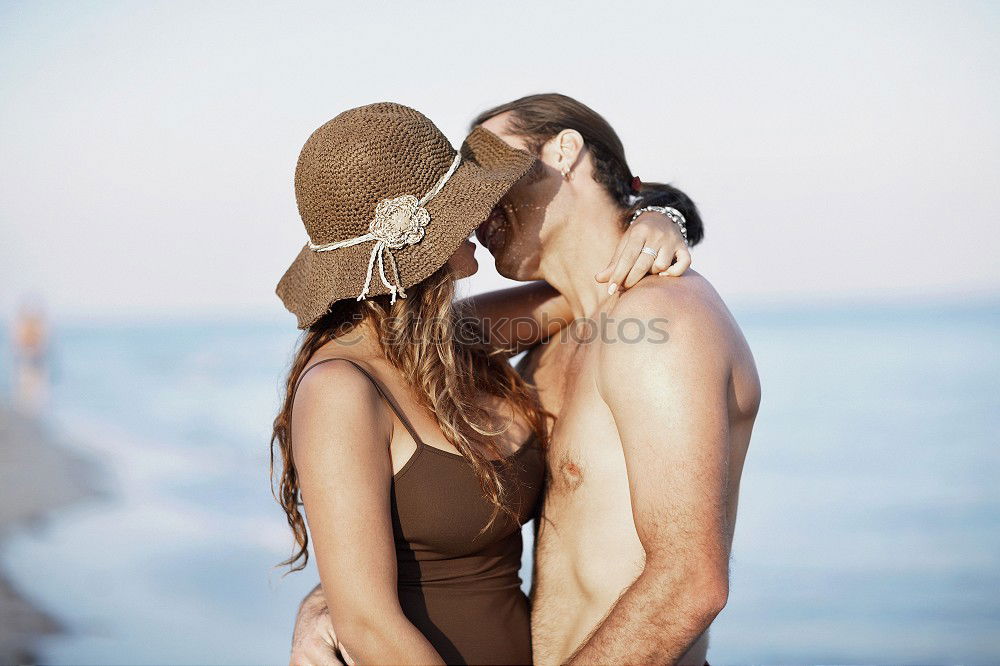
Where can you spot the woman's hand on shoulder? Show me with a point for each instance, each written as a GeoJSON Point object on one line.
{"type": "Point", "coordinates": [629, 263]}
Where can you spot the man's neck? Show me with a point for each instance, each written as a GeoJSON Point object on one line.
{"type": "Point", "coordinates": [584, 247]}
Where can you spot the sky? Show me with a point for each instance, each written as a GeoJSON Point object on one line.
{"type": "Point", "coordinates": [844, 151]}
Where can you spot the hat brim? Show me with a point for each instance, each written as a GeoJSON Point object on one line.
{"type": "Point", "coordinates": [489, 168]}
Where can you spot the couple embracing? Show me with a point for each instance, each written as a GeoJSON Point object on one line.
{"type": "Point", "coordinates": [416, 452]}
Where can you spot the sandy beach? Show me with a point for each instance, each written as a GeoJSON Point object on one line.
{"type": "Point", "coordinates": [39, 476]}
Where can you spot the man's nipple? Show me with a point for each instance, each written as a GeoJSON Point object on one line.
{"type": "Point", "coordinates": [570, 474]}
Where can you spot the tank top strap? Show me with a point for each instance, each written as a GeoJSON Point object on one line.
{"type": "Point", "coordinates": [393, 405]}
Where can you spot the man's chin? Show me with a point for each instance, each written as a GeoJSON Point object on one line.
{"type": "Point", "coordinates": [512, 272]}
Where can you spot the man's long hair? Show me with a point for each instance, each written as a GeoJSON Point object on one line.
{"type": "Point", "coordinates": [539, 118]}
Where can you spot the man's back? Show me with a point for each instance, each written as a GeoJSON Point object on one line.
{"type": "Point", "coordinates": [588, 549]}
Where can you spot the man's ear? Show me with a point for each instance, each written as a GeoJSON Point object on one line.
{"type": "Point", "coordinates": [570, 145]}
{"type": "Point", "coordinates": [563, 151]}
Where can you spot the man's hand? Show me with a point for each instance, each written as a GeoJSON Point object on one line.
{"type": "Point", "coordinates": [314, 642]}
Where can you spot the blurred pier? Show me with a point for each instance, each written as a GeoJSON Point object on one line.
{"type": "Point", "coordinates": [39, 476]}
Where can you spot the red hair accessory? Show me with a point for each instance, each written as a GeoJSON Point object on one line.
{"type": "Point", "coordinates": [636, 184]}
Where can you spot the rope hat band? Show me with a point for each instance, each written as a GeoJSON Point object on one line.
{"type": "Point", "coordinates": [381, 191]}
{"type": "Point", "coordinates": [397, 223]}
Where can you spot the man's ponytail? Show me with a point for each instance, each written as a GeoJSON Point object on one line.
{"type": "Point", "coordinates": [661, 194]}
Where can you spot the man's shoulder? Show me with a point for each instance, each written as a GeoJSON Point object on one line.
{"type": "Point", "coordinates": [674, 329]}
{"type": "Point", "coordinates": [685, 301]}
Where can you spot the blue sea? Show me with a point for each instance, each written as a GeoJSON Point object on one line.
{"type": "Point", "coordinates": [869, 526]}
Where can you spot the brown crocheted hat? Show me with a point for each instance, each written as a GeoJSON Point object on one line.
{"type": "Point", "coordinates": [386, 201]}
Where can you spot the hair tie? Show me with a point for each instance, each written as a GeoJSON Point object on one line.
{"type": "Point", "coordinates": [636, 184]}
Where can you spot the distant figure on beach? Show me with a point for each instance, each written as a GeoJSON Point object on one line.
{"type": "Point", "coordinates": [30, 342]}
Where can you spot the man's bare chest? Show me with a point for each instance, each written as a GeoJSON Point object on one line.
{"type": "Point", "coordinates": [565, 379]}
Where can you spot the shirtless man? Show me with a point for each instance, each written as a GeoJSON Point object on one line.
{"type": "Point", "coordinates": [655, 393]}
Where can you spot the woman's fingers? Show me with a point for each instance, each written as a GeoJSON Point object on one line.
{"type": "Point", "coordinates": [629, 264]}
{"type": "Point", "coordinates": [662, 263]}
{"type": "Point", "coordinates": [642, 266]}
{"type": "Point", "coordinates": [627, 260]}
{"type": "Point", "coordinates": [343, 654]}
{"type": "Point", "coordinates": [605, 275]}
{"type": "Point", "coordinates": [681, 264]}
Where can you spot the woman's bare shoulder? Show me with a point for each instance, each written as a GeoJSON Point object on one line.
{"type": "Point", "coordinates": [336, 401]}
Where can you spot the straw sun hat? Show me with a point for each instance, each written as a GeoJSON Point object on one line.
{"type": "Point", "coordinates": [386, 200]}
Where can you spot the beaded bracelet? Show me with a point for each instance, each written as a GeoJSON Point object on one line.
{"type": "Point", "coordinates": [674, 214]}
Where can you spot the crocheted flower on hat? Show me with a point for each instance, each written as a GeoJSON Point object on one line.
{"type": "Point", "coordinates": [399, 222]}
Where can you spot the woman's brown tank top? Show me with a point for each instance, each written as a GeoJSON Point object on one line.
{"type": "Point", "coordinates": [459, 585]}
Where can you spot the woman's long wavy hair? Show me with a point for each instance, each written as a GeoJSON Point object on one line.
{"type": "Point", "coordinates": [436, 349]}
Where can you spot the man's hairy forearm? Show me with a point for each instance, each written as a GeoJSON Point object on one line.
{"type": "Point", "coordinates": [314, 598]}
{"type": "Point", "coordinates": [656, 620]}
{"type": "Point", "coordinates": [312, 605]}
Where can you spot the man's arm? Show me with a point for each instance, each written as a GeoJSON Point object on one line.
{"type": "Point", "coordinates": [314, 642]}
{"type": "Point", "coordinates": [669, 402]}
